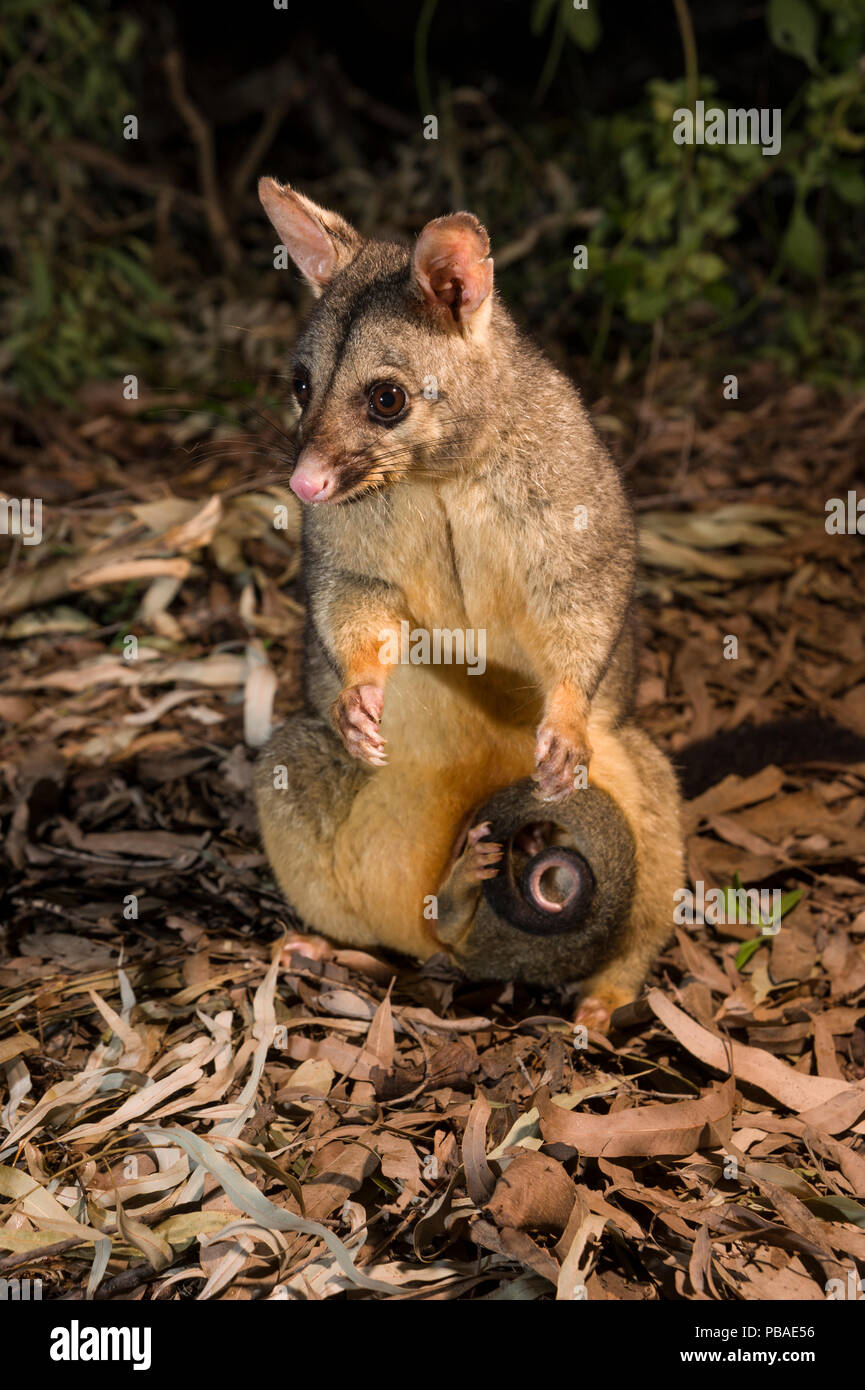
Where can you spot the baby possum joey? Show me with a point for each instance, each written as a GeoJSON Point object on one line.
{"type": "Point", "coordinates": [453, 486]}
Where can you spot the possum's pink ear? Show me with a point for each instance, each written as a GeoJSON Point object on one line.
{"type": "Point", "coordinates": [453, 269]}
{"type": "Point", "coordinates": [319, 242]}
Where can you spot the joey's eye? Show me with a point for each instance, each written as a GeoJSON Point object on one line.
{"type": "Point", "coordinates": [386, 401]}
{"type": "Point", "coordinates": [300, 384]}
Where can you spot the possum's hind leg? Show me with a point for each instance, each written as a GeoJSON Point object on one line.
{"type": "Point", "coordinates": [356, 850]}
{"type": "Point", "coordinates": [305, 787]}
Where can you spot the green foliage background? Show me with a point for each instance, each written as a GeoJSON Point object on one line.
{"type": "Point", "coordinates": [667, 243]}
{"type": "Point", "coordinates": [687, 244]}
{"type": "Point", "coordinates": [76, 305]}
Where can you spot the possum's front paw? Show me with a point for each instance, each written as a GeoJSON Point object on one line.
{"type": "Point", "coordinates": [560, 755]}
{"type": "Point", "coordinates": [356, 715]}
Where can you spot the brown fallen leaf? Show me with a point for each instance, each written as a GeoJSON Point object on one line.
{"type": "Point", "coordinates": [677, 1128]}
{"type": "Point", "coordinates": [533, 1194]}
{"type": "Point", "coordinates": [793, 954]}
{"type": "Point", "coordinates": [730, 829]}
{"type": "Point", "coordinates": [380, 1036]}
{"type": "Point", "coordinates": [516, 1245]}
{"type": "Point", "coordinates": [752, 1064]}
{"type": "Point", "coordinates": [731, 793]}
{"type": "Point", "coordinates": [134, 844]}
{"type": "Point", "coordinates": [15, 1045]}
{"type": "Point", "coordinates": [584, 1226]}
{"type": "Point", "coordinates": [839, 1112]}
{"type": "Point", "coordinates": [479, 1175]}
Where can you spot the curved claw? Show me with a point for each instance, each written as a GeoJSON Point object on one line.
{"type": "Point", "coordinates": [356, 716]}
{"type": "Point", "coordinates": [480, 858]}
{"type": "Point", "coordinates": [558, 759]}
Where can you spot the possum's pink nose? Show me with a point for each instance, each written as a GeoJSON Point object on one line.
{"type": "Point", "coordinates": [312, 480]}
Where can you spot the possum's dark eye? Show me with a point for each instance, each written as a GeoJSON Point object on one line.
{"type": "Point", "coordinates": [300, 384]}
{"type": "Point", "coordinates": [386, 401]}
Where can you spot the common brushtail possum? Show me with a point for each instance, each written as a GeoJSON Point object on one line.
{"type": "Point", "coordinates": [508, 811]}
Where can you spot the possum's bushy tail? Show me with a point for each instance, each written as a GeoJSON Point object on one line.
{"type": "Point", "coordinates": [785, 742]}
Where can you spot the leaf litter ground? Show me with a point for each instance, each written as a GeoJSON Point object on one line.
{"type": "Point", "coordinates": [193, 1109]}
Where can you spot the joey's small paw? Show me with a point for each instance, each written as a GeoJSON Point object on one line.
{"type": "Point", "coordinates": [480, 858]}
{"type": "Point", "coordinates": [356, 714]}
{"type": "Point", "coordinates": [559, 756]}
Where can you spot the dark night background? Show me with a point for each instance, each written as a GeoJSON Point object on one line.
{"type": "Point", "coordinates": [150, 261]}
{"type": "Point", "coordinates": [551, 121]}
